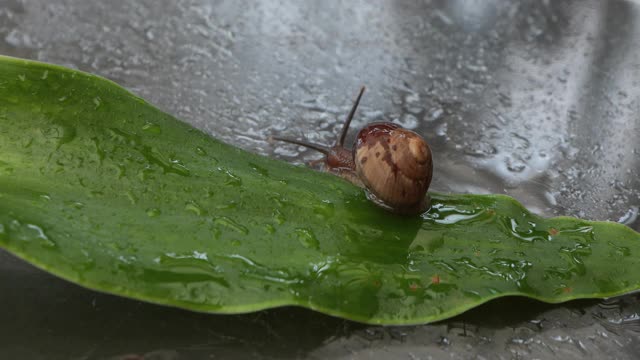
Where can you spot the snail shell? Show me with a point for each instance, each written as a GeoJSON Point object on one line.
{"type": "Point", "coordinates": [392, 164]}
{"type": "Point", "coordinates": [395, 166]}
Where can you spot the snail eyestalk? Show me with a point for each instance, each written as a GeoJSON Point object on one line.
{"type": "Point", "coordinates": [347, 122]}
{"type": "Point", "coordinates": [321, 148]}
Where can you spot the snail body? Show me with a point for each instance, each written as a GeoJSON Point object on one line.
{"type": "Point", "coordinates": [394, 165]}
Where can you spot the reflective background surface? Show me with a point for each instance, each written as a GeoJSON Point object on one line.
{"type": "Point", "coordinates": [535, 99]}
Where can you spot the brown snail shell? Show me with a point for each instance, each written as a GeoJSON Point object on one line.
{"type": "Point", "coordinates": [394, 165]}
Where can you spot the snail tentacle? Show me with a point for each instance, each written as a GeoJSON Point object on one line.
{"type": "Point", "coordinates": [321, 148]}
{"type": "Point", "coordinates": [347, 121]}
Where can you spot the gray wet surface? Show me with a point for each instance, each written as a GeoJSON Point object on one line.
{"type": "Point", "coordinates": [535, 99]}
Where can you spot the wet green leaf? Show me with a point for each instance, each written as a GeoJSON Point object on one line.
{"type": "Point", "coordinates": [102, 189]}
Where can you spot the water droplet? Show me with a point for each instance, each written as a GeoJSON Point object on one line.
{"type": "Point", "coordinates": [231, 178]}
{"type": "Point", "coordinates": [450, 215]}
{"type": "Point", "coordinates": [442, 130]}
{"type": "Point", "coordinates": [153, 212]}
{"type": "Point", "coordinates": [620, 250]}
{"type": "Point", "coordinates": [480, 149]}
{"type": "Point", "coordinates": [630, 216]}
{"type": "Point", "coordinates": [131, 196]}
{"type": "Point", "coordinates": [144, 174]}
{"type": "Point", "coordinates": [122, 137]}
{"type": "Point", "coordinates": [408, 121]}
{"type": "Point", "coordinates": [286, 150]}
{"type": "Point", "coordinates": [351, 234]}
{"type": "Point", "coordinates": [97, 101]}
{"type": "Point", "coordinates": [200, 151]}
{"type": "Point", "coordinates": [434, 114]}
{"type": "Point", "coordinates": [76, 205]}
{"type": "Point", "coordinates": [152, 128]}
{"type": "Point", "coordinates": [515, 165]}
{"type": "Point", "coordinates": [551, 198]}
{"type": "Point", "coordinates": [193, 207]}
{"type": "Point", "coordinates": [270, 229]}
{"type": "Point", "coordinates": [278, 217]}
{"type": "Point", "coordinates": [231, 204]}
{"type": "Point", "coordinates": [169, 165]}
{"type": "Point", "coordinates": [307, 238]}
{"type": "Point", "coordinates": [231, 224]}
{"type": "Point", "coordinates": [524, 230]}
{"type": "Point", "coordinates": [259, 169]}
{"type": "Point", "coordinates": [326, 209]}
{"type": "Point", "coordinates": [98, 150]}
{"type": "Point", "coordinates": [86, 263]}
{"type": "Point", "coordinates": [29, 232]}
{"type": "Point", "coordinates": [193, 267]}
{"type": "Point", "coordinates": [62, 133]}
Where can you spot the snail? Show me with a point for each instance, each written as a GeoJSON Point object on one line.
{"type": "Point", "coordinates": [392, 164]}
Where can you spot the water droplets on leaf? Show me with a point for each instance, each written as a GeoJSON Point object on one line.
{"type": "Point", "coordinates": [60, 132]}
{"type": "Point", "coordinates": [154, 155]}
{"type": "Point", "coordinates": [153, 212]}
{"type": "Point", "coordinates": [122, 137]}
{"type": "Point", "coordinates": [278, 217]}
{"type": "Point", "coordinates": [523, 230]}
{"type": "Point", "coordinates": [152, 128]}
{"type": "Point", "coordinates": [29, 232]}
{"type": "Point", "coordinates": [145, 174]}
{"type": "Point", "coordinates": [351, 234]}
{"type": "Point", "coordinates": [325, 209]}
{"type": "Point", "coordinates": [97, 102]}
{"type": "Point", "coordinates": [86, 263]}
{"type": "Point", "coordinates": [200, 151]}
{"type": "Point", "coordinates": [133, 199]}
{"type": "Point", "coordinates": [75, 204]}
{"type": "Point", "coordinates": [187, 270]}
{"type": "Point", "coordinates": [231, 204]}
{"type": "Point", "coordinates": [231, 224]}
{"type": "Point", "coordinates": [168, 164]}
{"type": "Point", "coordinates": [260, 170]}
{"type": "Point", "coordinates": [231, 179]}
{"type": "Point", "coordinates": [98, 150]}
{"type": "Point", "coordinates": [269, 229]}
{"type": "Point", "coordinates": [307, 238]}
{"type": "Point", "coordinates": [194, 208]}
{"type": "Point", "coordinates": [457, 215]}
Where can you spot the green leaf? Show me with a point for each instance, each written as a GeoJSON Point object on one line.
{"type": "Point", "coordinates": [102, 189]}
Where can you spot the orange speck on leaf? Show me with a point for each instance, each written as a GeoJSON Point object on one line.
{"type": "Point", "coordinates": [553, 231]}
{"type": "Point", "coordinates": [435, 279]}
{"type": "Point", "coordinates": [413, 286]}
